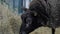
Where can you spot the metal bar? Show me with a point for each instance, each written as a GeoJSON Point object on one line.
{"type": "Point", "coordinates": [20, 4]}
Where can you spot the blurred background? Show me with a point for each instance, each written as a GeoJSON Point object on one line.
{"type": "Point", "coordinates": [10, 21]}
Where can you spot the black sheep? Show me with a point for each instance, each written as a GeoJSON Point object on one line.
{"type": "Point", "coordinates": [46, 15]}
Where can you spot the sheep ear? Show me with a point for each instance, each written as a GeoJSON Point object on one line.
{"type": "Point", "coordinates": [23, 8]}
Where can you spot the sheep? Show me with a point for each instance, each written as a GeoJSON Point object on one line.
{"type": "Point", "coordinates": [46, 16]}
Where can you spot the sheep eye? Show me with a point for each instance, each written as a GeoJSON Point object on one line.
{"type": "Point", "coordinates": [35, 14]}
